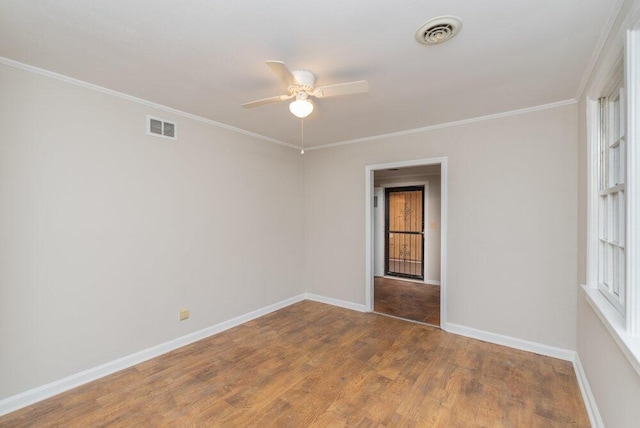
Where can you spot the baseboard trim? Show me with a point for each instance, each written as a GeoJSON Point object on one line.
{"type": "Point", "coordinates": [336, 302]}
{"type": "Point", "coordinates": [512, 342]}
{"type": "Point", "coordinates": [431, 282]}
{"type": "Point", "coordinates": [587, 395]}
{"type": "Point", "coordinates": [23, 399]}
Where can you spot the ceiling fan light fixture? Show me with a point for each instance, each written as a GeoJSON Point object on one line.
{"type": "Point", "coordinates": [301, 107]}
{"type": "Point", "coordinates": [301, 85]}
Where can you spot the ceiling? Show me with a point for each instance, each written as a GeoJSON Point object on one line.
{"type": "Point", "coordinates": [208, 57]}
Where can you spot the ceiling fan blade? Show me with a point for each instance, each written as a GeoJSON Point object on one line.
{"type": "Point", "coordinates": [264, 101]}
{"type": "Point", "coordinates": [341, 89]}
{"type": "Point", "coordinates": [282, 71]}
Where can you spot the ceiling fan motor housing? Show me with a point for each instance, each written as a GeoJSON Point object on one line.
{"type": "Point", "coordinates": [306, 81]}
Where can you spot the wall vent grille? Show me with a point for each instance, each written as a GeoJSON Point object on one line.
{"type": "Point", "coordinates": [161, 128]}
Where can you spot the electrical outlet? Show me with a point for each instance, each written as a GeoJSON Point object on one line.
{"type": "Point", "coordinates": [184, 314]}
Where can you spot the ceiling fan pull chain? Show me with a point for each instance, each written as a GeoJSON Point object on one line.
{"type": "Point", "coordinates": [302, 134]}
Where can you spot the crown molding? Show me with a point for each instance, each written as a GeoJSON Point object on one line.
{"type": "Point", "coordinates": [29, 68]}
{"type": "Point", "coordinates": [597, 50]}
{"type": "Point", "coordinates": [450, 124]}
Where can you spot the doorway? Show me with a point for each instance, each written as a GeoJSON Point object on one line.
{"type": "Point", "coordinates": [404, 232]}
{"type": "Point", "coordinates": [410, 300]}
{"type": "Point", "coordinates": [405, 257]}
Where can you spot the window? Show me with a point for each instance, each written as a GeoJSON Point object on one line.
{"type": "Point", "coordinates": [613, 260]}
{"type": "Point", "coordinates": [611, 195]}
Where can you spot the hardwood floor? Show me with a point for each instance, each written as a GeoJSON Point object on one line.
{"type": "Point", "coordinates": [405, 299]}
{"type": "Point", "coordinates": [312, 364]}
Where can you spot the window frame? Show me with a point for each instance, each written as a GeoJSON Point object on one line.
{"type": "Point", "coordinates": [623, 322]}
{"type": "Point", "coordinates": [611, 175]}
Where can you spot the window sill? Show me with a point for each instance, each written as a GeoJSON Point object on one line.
{"type": "Point", "coordinates": [615, 324]}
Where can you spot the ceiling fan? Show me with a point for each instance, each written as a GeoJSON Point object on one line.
{"type": "Point", "coordinates": [301, 86]}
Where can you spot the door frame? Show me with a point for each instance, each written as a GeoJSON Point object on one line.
{"type": "Point", "coordinates": [378, 232]}
{"type": "Point", "coordinates": [369, 230]}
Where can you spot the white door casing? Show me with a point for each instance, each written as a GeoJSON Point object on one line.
{"type": "Point", "coordinates": [378, 225]}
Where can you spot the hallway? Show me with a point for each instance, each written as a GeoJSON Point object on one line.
{"type": "Point", "coordinates": [407, 299]}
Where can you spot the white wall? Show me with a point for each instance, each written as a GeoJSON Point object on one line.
{"type": "Point", "coordinates": [613, 381]}
{"type": "Point", "coordinates": [511, 227]}
{"type": "Point", "coordinates": [106, 232]}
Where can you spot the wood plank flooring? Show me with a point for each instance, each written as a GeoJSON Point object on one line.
{"type": "Point", "coordinates": [406, 299]}
{"type": "Point", "coordinates": [312, 364]}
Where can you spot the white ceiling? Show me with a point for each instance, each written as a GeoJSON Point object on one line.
{"type": "Point", "coordinates": [207, 57]}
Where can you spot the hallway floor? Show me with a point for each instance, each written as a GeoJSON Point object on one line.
{"type": "Point", "coordinates": [406, 299]}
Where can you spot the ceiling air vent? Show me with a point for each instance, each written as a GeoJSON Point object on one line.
{"type": "Point", "coordinates": [161, 128]}
{"type": "Point", "coordinates": [438, 30]}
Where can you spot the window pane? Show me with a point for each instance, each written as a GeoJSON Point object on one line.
{"type": "Point", "coordinates": [609, 268]}
{"type": "Point", "coordinates": [623, 158]}
{"type": "Point", "coordinates": [615, 281]}
{"type": "Point", "coordinates": [611, 168]}
{"type": "Point", "coordinates": [614, 217]}
{"type": "Point", "coordinates": [614, 114]}
{"type": "Point", "coordinates": [602, 143]}
{"type": "Point", "coordinates": [602, 214]}
{"type": "Point", "coordinates": [621, 275]}
{"type": "Point", "coordinates": [622, 228]}
{"type": "Point", "coordinates": [615, 154]}
{"type": "Point", "coordinates": [609, 223]}
{"type": "Point", "coordinates": [622, 128]}
{"type": "Point", "coordinates": [601, 265]}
